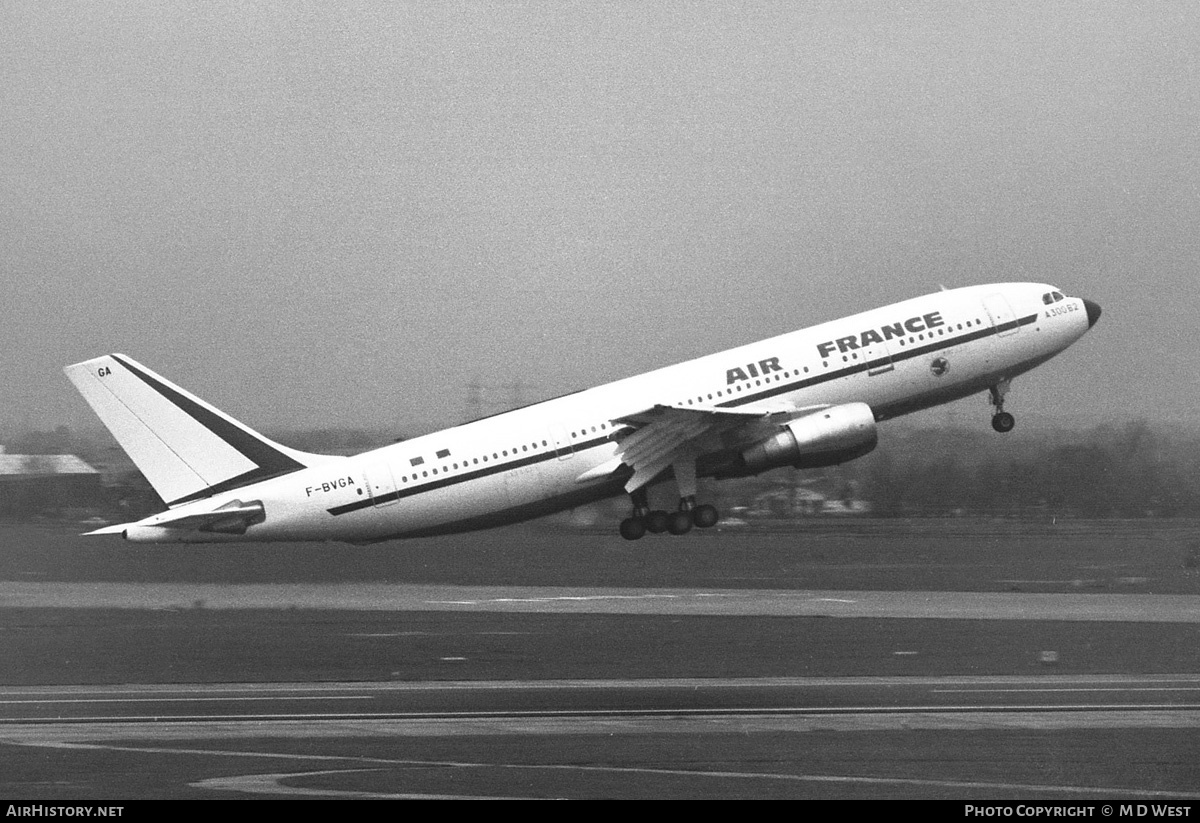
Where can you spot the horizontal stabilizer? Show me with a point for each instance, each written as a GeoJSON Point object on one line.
{"type": "Point", "coordinates": [232, 518]}
{"type": "Point", "coordinates": [115, 529]}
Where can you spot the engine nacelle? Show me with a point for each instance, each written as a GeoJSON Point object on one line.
{"type": "Point", "coordinates": [823, 438]}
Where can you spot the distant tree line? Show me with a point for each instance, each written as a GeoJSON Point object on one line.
{"type": "Point", "coordinates": [1110, 471]}
{"type": "Point", "coordinates": [1127, 470]}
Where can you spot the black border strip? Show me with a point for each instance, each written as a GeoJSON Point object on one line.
{"type": "Point", "coordinates": [782, 388]}
{"type": "Point", "coordinates": [270, 461]}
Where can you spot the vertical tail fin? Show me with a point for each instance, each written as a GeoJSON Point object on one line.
{"type": "Point", "coordinates": [186, 448]}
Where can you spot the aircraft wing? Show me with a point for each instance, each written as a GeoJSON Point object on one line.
{"type": "Point", "coordinates": [672, 435]}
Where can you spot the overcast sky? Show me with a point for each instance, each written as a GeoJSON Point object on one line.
{"type": "Point", "coordinates": [316, 214]}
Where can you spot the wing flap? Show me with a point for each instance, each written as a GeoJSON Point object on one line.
{"type": "Point", "coordinates": [667, 435]}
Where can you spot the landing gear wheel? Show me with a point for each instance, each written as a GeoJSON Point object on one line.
{"type": "Point", "coordinates": [632, 528]}
{"type": "Point", "coordinates": [680, 522]}
{"type": "Point", "coordinates": [657, 521]}
{"type": "Point", "coordinates": [1003, 422]}
{"type": "Point", "coordinates": [705, 516]}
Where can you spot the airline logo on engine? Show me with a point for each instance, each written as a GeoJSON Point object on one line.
{"type": "Point", "coordinates": [760, 369]}
{"type": "Point", "coordinates": [913, 325]}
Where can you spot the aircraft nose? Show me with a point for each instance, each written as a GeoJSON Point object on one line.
{"type": "Point", "coordinates": [1093, 312]}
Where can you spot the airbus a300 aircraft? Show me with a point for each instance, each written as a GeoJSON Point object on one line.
{"type": "Point", "coordinates": [806, 399]}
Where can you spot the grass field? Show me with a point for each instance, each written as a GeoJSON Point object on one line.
{"type": "Point", "coordinates": [1142, 556]}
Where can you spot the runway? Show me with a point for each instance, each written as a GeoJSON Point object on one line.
{"type": "Point", "coordinates": [764, 737]}
{"type": "Point", "coordinates": [1033, 670]}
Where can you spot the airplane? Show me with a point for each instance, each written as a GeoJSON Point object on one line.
{"type": "Point", "coordinates": [806, 399]}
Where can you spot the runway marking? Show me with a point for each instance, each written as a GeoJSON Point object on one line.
{"type": "Point", "coordinates": [614, 714]}
{"type": "Point", "coordinates": [955, 682]}
{"type": "Point", "coordinates": [438, 634]}
{"type": "Point", "coordinates": [269, 783]}
{"type": "Point", "coordinates": [590, 598]}
{"type": "Point", "coordinates": [189, 699]}
{"type": "Point", "coordinates": [580, 598]}
{"type": "Point", "coordinates": [1079, 689]}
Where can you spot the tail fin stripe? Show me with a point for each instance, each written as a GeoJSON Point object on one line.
{"type": "Point", "coordinates": [270, 461]}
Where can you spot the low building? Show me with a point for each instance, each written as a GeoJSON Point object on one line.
{"type": "Point", "coordinates": [32, 484]}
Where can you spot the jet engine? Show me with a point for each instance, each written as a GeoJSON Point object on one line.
{"type": "Point", "coordinates": [823, 438]}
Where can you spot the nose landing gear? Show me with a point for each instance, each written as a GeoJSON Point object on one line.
{"type": "Point", "coordinates": [1002, 421]}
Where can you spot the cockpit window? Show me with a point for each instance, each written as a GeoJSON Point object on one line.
{"type": "Point", "coordinates": [1048, 298]}
{"type": "Point", "coordinates": [1057, 296]}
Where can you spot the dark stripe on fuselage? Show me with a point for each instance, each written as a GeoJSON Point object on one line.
{"type": "Point", "coordinates": [905, 354]}
{"type": "Point", "coordinates": [270, 461]}
{"type": "Point", "coordinates": [474, 474]}
{"type": "Point", "coordinates": [782, 388]}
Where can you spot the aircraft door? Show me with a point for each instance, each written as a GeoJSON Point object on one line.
{"type": "Point", "coordinates": [562, 443]}
{"type": "Point", "coordinates": [879, 359]}
{"type": "Point", "coordinates": [381, 484]}
{"type": "Point", "coordinates": [1001, 314]}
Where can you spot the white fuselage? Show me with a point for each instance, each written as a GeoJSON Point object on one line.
{"type": "Point", "coordinates": [536, 460]}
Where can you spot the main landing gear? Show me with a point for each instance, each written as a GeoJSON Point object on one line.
{"type": "Point", "coordinates": [1002, 421]}
{"type": "Point", "coordinates": [658, 521]}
